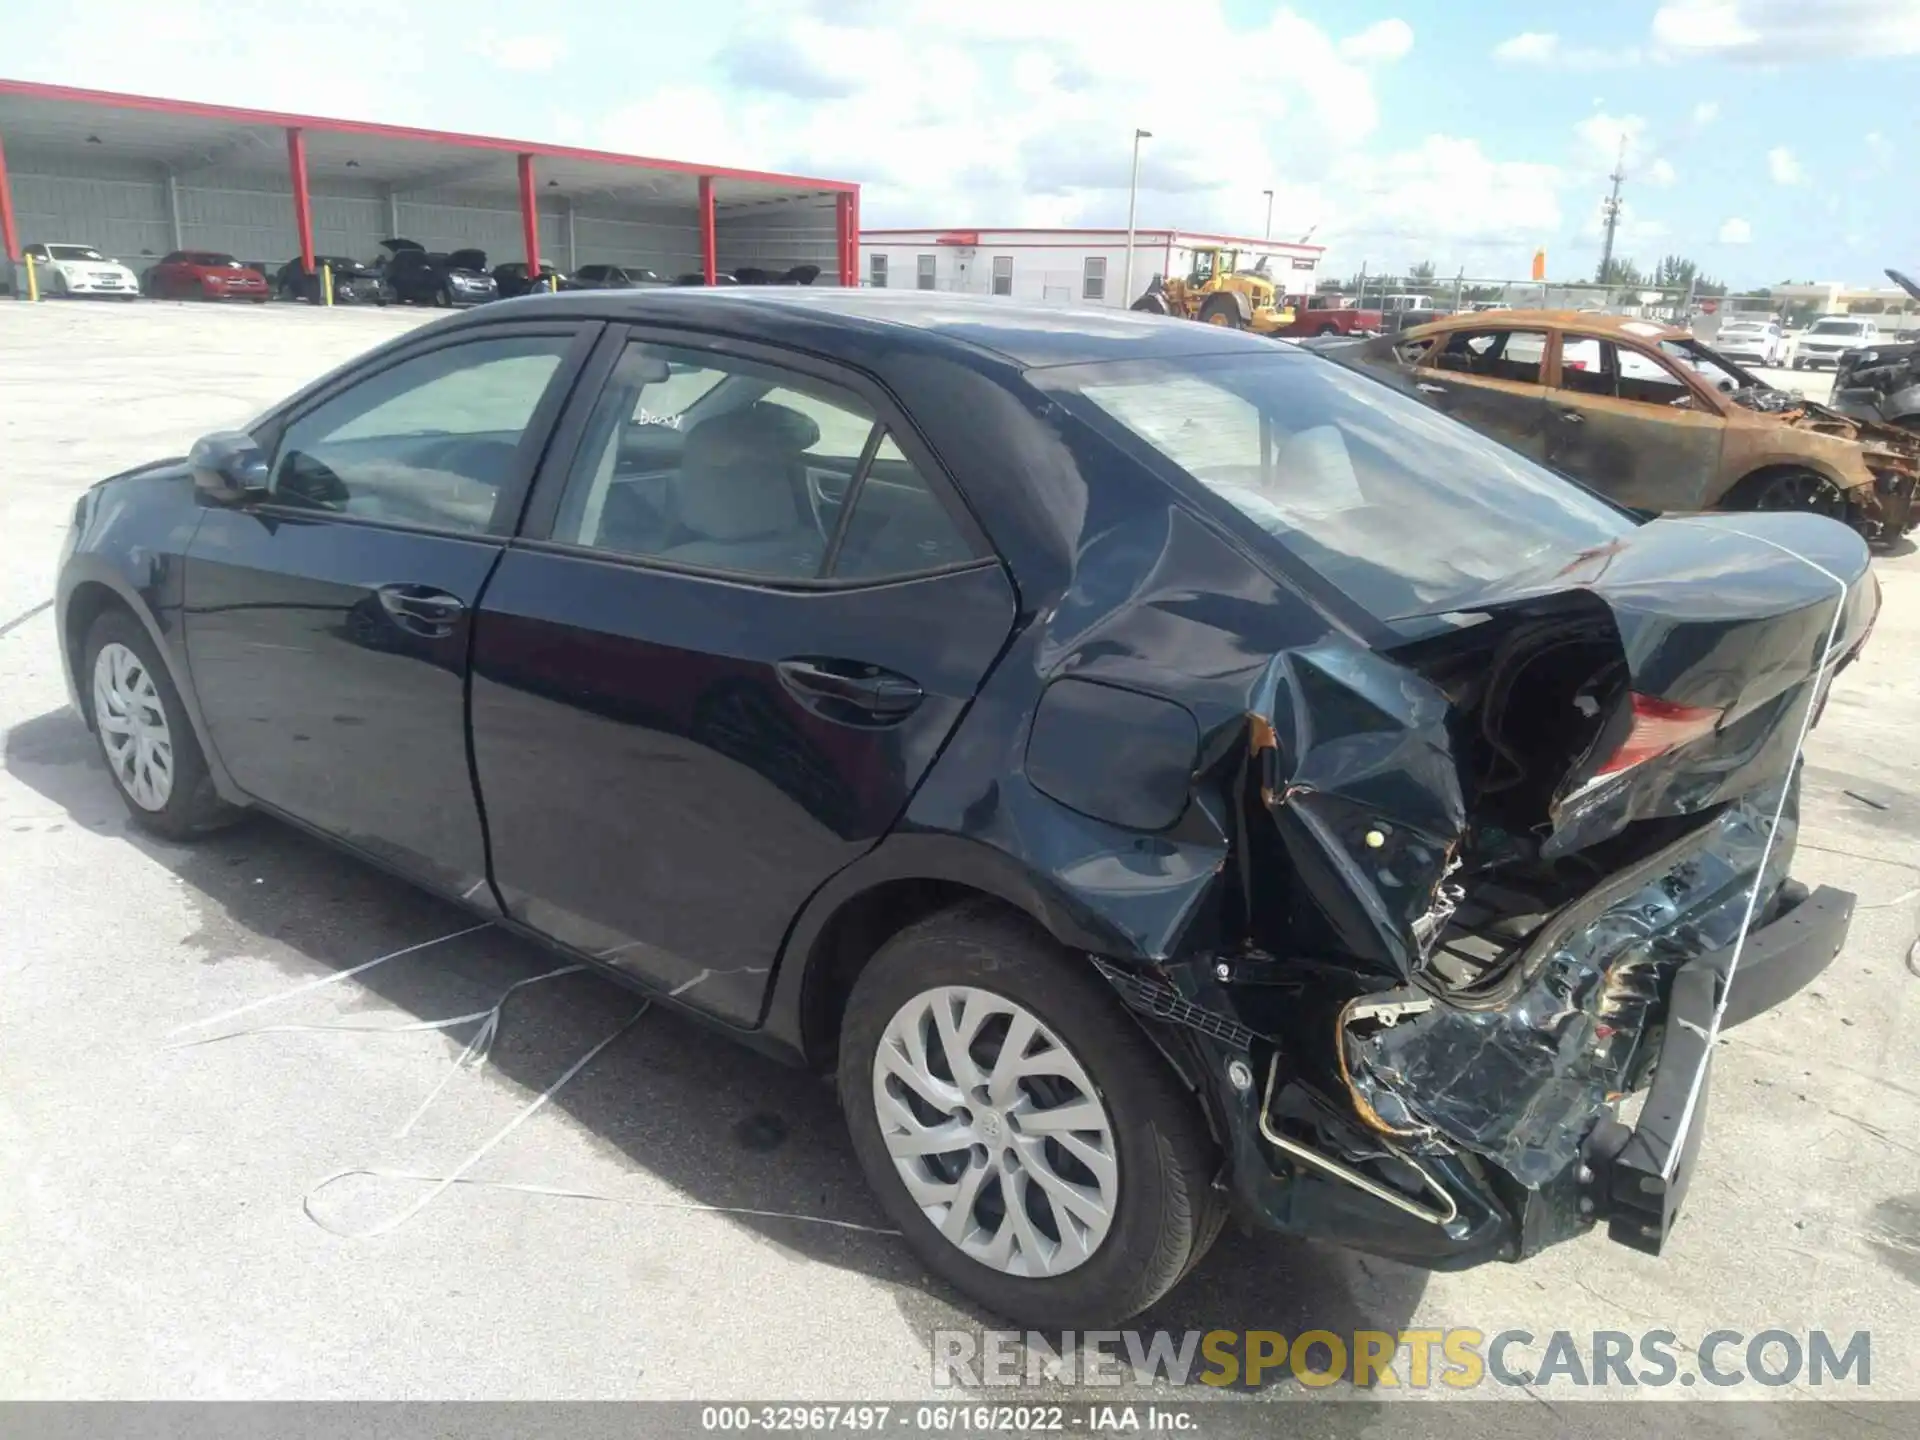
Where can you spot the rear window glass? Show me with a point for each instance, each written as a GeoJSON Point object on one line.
{"type": "Point", "coordinates": [1401, 508]}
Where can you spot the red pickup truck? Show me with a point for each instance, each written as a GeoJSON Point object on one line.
{"type": "Point", "coordinates": [1330, 315]}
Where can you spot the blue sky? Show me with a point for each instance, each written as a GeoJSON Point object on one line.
{"type": "Point", "coordinates": [1763, 136]}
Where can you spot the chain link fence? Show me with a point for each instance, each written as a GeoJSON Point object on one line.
{"type": "Point", "coordinates": [1676, 305]}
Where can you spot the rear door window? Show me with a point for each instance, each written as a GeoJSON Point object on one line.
{"type": "Point", "coordinates": [720, 463]}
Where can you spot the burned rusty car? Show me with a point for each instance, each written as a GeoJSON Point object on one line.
{"type": "Point", "coordinates": [1160, 773]}
{"type": "Point", "coordinates": [1651, 418]}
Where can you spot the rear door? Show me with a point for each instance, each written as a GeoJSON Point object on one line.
{"type": "Point", "coordinates": [1625, 422]}
{"type": "Point", "coordinates": [746, 612]}
{"type": "Point", "coordinates": [327, 624]}
{"type": "Point", "coordinates": [1491, 379]}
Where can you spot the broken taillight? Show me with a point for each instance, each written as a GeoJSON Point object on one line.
{"type": "Point", "coordinates": [1658, 726]}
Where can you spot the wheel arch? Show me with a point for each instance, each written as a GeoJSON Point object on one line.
{"type": "Point", "coordinates": [82, 601]}
{"type": "Point", "coordinates": [847, 921]}
{"type": "Point", "coordinates": [1236, 299]}
{"type": "Point", "coordinates": [1756, 476]}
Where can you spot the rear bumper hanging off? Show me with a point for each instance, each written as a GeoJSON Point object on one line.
{"type": "Point", "coordinates": [1636, 1178]}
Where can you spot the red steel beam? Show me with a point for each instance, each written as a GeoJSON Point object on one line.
{"type": "Point", "coordinates": [709, 238]}
{"type": "Point", "coordinates": [853, 239]}
{"type": "Point", "coordinates": [843, 229]}
{"type": "Point", "coordinates": [9, 237]}
{"type": "Point", "coordinates": [530, 218]}
{"type": "Point", "coordinates": [302, 204]}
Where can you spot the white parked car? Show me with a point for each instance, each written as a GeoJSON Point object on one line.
{"type": "Point", "coordinates": [1830, 337]}
{"type": "Point", "coordinates": [1757, 342]}
{"type": "Point", "coordinates": [70, 269]}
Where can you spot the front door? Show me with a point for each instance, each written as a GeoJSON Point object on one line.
{"type": "Point", "coordinates": [744, 619]}
{"type": "Point", "coordinates": [1492, 380]}
{"type": "Point", "coordinates": [1625, 422]}
{"type": "Point", "coordinates": [327, 625]}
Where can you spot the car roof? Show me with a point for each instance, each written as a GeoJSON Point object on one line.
{"type": "Point", "coordinates": [1028, 334]}
{"type": "Point", "coordinates": [1631, 327]}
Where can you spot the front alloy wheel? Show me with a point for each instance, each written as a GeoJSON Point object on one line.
{"type": "Point", "coordinates": [996, 1131]}
{"type": "Point", "coordinates": [133, 727]}
{"type": "Point", "coordinates": [144, 733]}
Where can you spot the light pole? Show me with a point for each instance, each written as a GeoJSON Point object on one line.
{"type": "Point", "coordinates": [1268, 233]}
{"type": "Point", "coordinates": [1133, 193]}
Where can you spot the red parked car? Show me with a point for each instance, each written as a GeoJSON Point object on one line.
{"type": "Point", "coordinates": [205, 275]}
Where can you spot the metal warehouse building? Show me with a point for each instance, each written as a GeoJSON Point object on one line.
{"type": "Point", "coordinates": [138, 177]}
{"type": "Point", "coordinates": [1076, 267]}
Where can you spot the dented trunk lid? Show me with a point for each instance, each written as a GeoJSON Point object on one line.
{"type": "Point", "coordinates": [1362, 772]}
{"type": "Point", "coordinates": [1732, 614]}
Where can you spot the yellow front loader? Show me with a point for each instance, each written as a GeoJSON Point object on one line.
{"type": "Point", "coordinates": [1218, 292]}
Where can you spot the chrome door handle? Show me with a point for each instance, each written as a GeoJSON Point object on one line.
{"type": "Point", "coordinates": [1426, 389]}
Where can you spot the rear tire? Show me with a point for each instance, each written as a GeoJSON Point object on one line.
{"type": "Point", "coordinates": [1150, 1199]}
{"type": "Point", "coordinates": [144, 734]}
{"type": "Point", "coordinates": [1224, 311]}
{"type": "Point", "coordinates": [1794, 490]}
{"type": "Point", "coordinates": [1326, 330]}
{"type": "Point", "coordinates": [443, 299]}
{"type": "Point", "coordinates": [1155, 304]}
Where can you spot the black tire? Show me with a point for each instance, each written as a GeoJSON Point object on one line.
{"type": "Point", "coordinates": [1222, 310]}
{"type": "Point", "coordinates": [1796, 364]}
{"type": "Point", "coordinates": [1165, 1213]}
{"type": "Point", "coordinates": [193, 807]}
{"type": "Point", "coordinates": [1327, 330]}
{"type": "Point", "coordinates": [1789, 489]}
{"type": "Point", "coordinates": [1154, 304]}
{"type": "Point", "coordinates": [443, 299]}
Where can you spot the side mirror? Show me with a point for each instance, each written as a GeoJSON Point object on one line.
{"type": "Point", "coordinates": [228, 467]}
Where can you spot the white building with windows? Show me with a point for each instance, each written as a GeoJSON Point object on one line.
{"type": "Point", "coordinates": [1066, 267]}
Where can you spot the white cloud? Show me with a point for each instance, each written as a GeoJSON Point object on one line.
{"type": "Point", "coordinates": [1787, 30]}
{"type": "Point", "coordinates": [1543, 47]}
{"type": "Point", "coordinates": [1530, 47]}
{"type": "Point", "coordinates": [1735, 232]}
{"type": "Point", "coordinates": [1601, 136]}
{"type": "Point", "coordinates": [521, 52]}
{"type": "Point", "coordinates": [1662, 173]}
{"type": "Point", "coordinates": [1381, 41]}
{"type": "Point", "coordinates": [1706, 112]}
{"type": "Point", "coordinates": [1008, 113]}
{"type": "Point", "coordinates": [1783, 167]}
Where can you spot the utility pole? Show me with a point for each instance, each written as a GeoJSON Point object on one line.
{"type": "Point", "coordinates": [1133, 193]}
{"type": "Point", "coordinates": [1611, 210]}
{"type": "Point", "coordinates": [1267, 234]}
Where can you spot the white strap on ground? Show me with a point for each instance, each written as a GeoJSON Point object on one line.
{"type": "Point", "coordinates": [568, 1193]}
{"type": "Point", "coordinates": [471, 1058]}
{"type": "Point", "coordinates": [322, 982]}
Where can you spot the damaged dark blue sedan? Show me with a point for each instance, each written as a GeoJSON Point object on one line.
{"type": "Point", "coordinates": [1162, 773]}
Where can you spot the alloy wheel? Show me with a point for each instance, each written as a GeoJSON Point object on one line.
{"type": "Point", "coordinates": [1802, 490]}
{"type": "Point", "coordinates": [133, 726]}
{"type": "Point", "coordinates": [996, 1130]}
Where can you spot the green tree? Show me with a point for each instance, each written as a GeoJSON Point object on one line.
{"type": "Point", "coordinates": [1619, 271]}
{"type": "Point", "coordinates": [1420, 277]}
